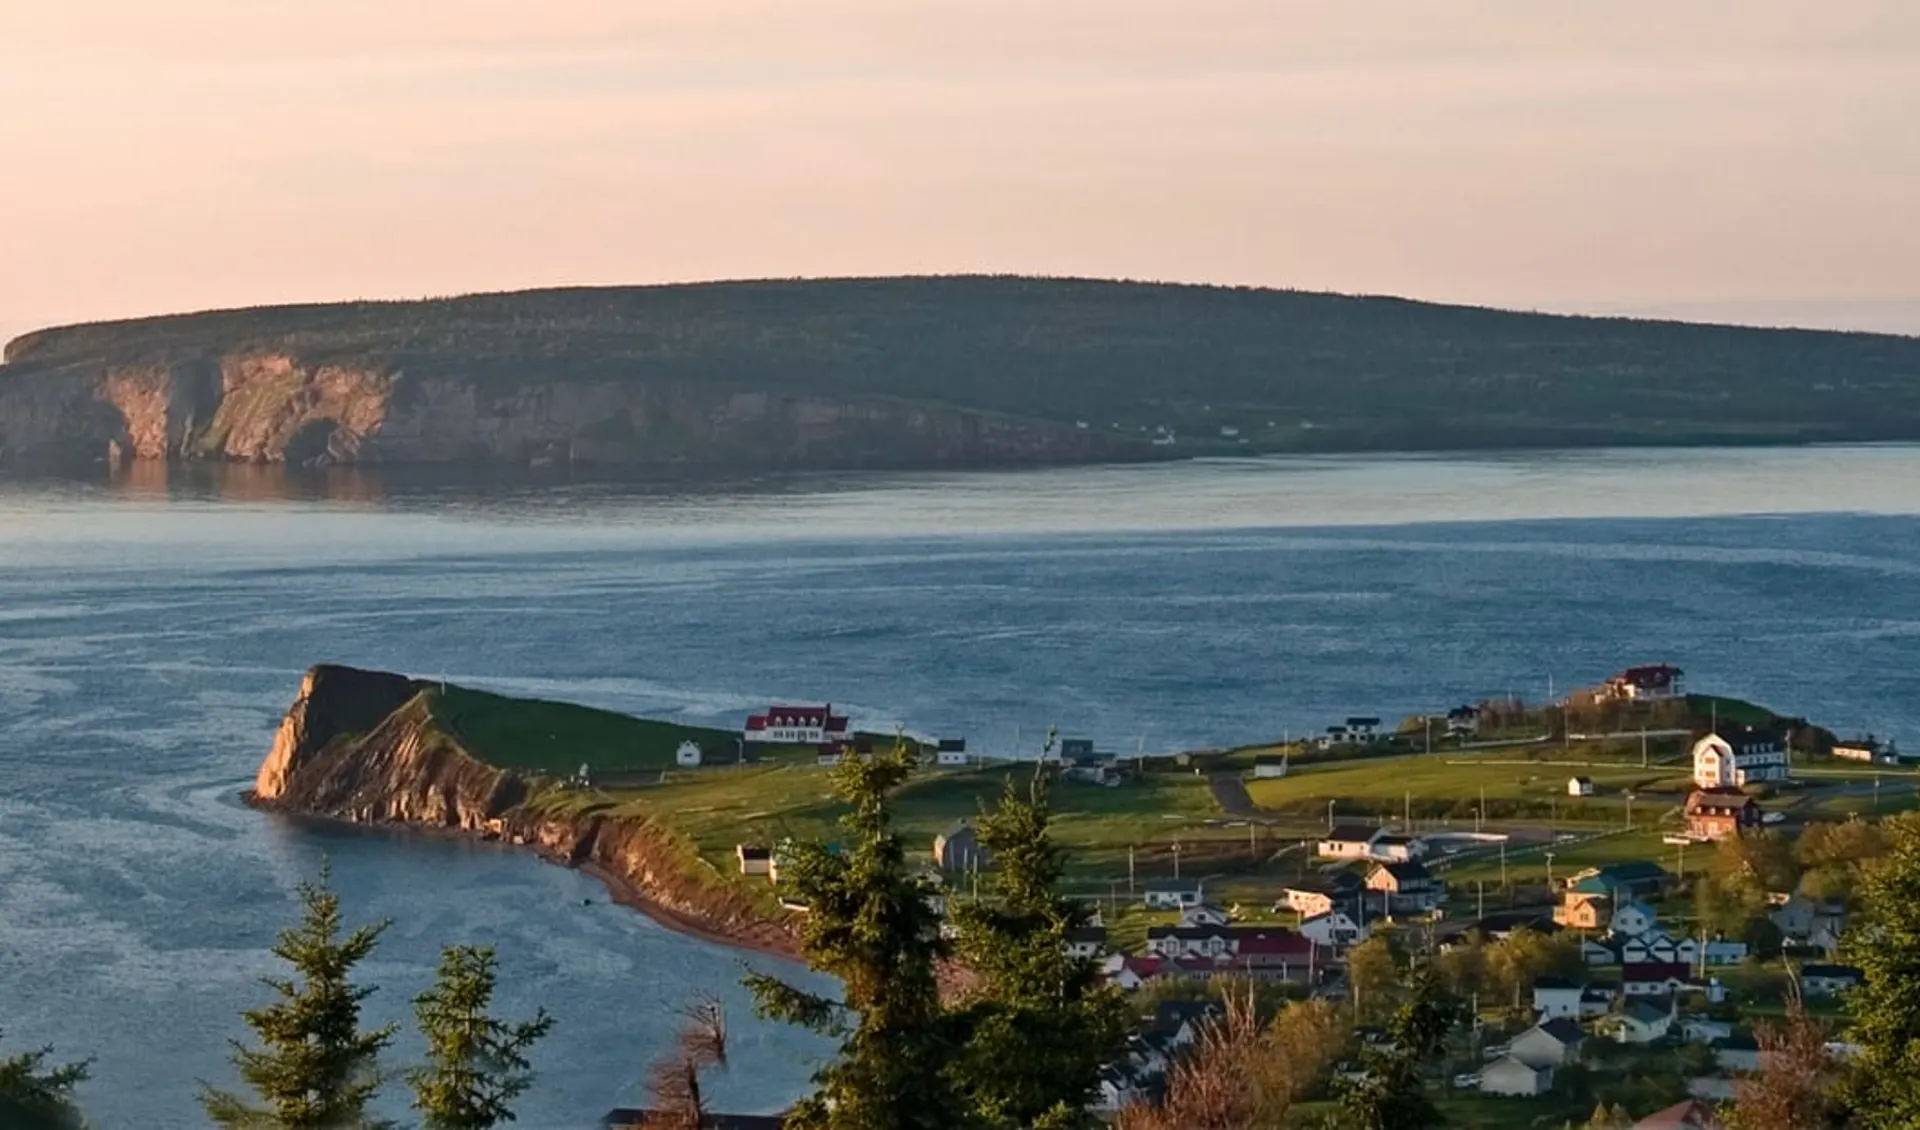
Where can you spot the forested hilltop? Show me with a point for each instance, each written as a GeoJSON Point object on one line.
{"type": "Point", "coordinates": [951, 370]}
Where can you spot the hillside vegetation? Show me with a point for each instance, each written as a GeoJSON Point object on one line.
{"type": "Point", "coordinates": [1287, 370]}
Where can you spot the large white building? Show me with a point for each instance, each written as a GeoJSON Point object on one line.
{"type": "Point", "coordinates": [797, 725]}
{"type": "Point", "coordinates": [1733, 759]}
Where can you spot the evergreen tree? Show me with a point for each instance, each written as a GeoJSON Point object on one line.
{"type": "Point", "coordinates": [315, 1070]}
{"type": "Point", "coordinates": [1046, 1022]}
{"type": "Point", "coordinates": [1883, 1087]}
{"type": "Point", "coordinates": [476, 1064]}
{"type": "Point", "coordinates": [871, 925]}
{"type": "Point", "coordinates": [34, 1096]}
{"type": "Point", "coordinates": [1392, 1093]}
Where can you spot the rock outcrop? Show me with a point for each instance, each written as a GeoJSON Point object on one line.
{"type": "Point", "coordinates": [254, 406]}
{"type": "Point", "coordinates": [364, 747]}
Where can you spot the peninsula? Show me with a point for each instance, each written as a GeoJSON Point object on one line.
{"type": "Point", "coordinates": [919, 372]}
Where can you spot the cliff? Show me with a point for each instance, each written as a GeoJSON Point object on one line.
{"type": "Point", "coordinates": [365, 747]}
{"type": "Point", "coordinates": [921, 372]}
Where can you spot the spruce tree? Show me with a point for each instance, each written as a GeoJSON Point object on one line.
{"type": "Point", "coordinates": [1392, 1092]}
{"type": "Point", "coordinates": [315, 1068]}
{"type": "Point", "coordinates": [1045, 1022]}
{"type": "Point", "coordinates": [476, 1064]}
{"type": "Point", "coordinates": [1883, 1086]}
{"type": "Point", "coordinates": [34, 1096]}
{"type": "Point", "coordinates": [871, 925]}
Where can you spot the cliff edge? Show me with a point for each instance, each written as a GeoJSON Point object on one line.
{"type": "Point", "coordinates": [367, 747]}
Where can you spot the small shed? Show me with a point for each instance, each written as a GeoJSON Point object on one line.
{"type": "Point", "coordinates": [688, 755]}
{"type": "Point", "coordinates": [951, 751]}
{"type": "Point", "coordinates": [959, 849]}
{"type": "Point", "coordinates": [755, 859]}
{"type": "Point", "coordinates": [1509, 1076]}
{"type": "Point", "coordinates": [1268, 765]}
{"type": "Point", "coordinates": [1580, 786]}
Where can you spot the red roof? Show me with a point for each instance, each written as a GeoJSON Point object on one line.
{"type": "Point", "coordinates": [821, 717]}
{"type": "Point", "coordinates": [1645, 971]}
{"type": "Point", "coordinates": [1276, 943]}
{"type": "Point", "coordinates": [1651, 675]}
{"type": "Point", "coordinates": [1689, 1115]}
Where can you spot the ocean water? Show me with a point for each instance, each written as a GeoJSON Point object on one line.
{"type": "Point", "coordinates": [152, 629]}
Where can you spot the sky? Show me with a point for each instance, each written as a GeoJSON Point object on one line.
{"type": "Point", "coordinates": [1748, 160]}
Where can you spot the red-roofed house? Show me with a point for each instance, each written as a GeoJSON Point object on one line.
{"type": "Point", "coordinates": [1640, 684]}
{"type": "Point", "coordinates": [797, 725]}
{"type": "Point", "coordinates": [1690, 1115]}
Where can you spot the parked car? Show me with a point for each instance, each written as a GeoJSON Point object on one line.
{"type": "Point", "coordinates": [1467, 1081]}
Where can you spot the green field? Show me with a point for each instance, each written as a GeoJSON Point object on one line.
{"type": "Point", "coordinates": [556, 738]}
{"type": "Point", "coordinates": [1445, 786]}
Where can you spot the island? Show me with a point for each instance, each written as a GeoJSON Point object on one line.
{"type": "Point", "coordinates": [927, 372]}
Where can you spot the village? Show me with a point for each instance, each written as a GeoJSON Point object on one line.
{"type": "Point", "coordinates": [1289, 868]}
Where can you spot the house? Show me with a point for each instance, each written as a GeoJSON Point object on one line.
{"type": "Point", "coordinates": [1086, 941]}
{"type": "Point", "coordinates": [1182, 1022]}
{"type": "Point", "coordinates": [1715, 814]}
{"type": "Point", "coordinates": [754, 859]}
{"type": "Point", "coordinates": [1597, 999]}
{"type": "Point", "coordinates": [1268, 954]}
{"type": "Point", "coordinates": [1655, 978]}
{"type": "Point", "coordinates": [1397, 849]}
{"type": "Point", "coordinates": [1362, 729]}
{"type": "Point", "coordinates": [1867, 749]}
{"type": "Point", "coordinates": [1650, 683]}
{"type": "Point", "coordinates": [1737, 756]}
{"type": "Point", "coordinates": [1643, 1022]}
{"type": "Point", "coordinates": [1737, 1053]}
{"type": "Point", "coordinates": [1598, 953]}
{"type": "Point", "coordinates": [797, 725]}
{"type": "Point", "coordinates": [1334, 929]}
{"type": "Point", "coordinates": [1555, 997]}
{"type": "Point", "coordinates": [1656, 946]}
{"type": "Point", "coordinates": [1632, 918]}
{"type": "Point", "coordinates": [1583, 912]}
{"type": "Point", "coordinates": [1826, 980]}
{"type": "Point", "coordinates": [1690, 1115]}
{"type": "Point", "coordinates": [1267, 765]}
{"type": "Point", "coordinates": [629, 1118]}
{"type": "Point", "coordinates": [1705, 1030]}
{"type": "Point", "coordinates": [1320, 894]}
{"type": "Point", "coordinates": [1406, 886]}
{"type": "Point", "coordinates": [831, 754]}
{"type": "Point", "coordinates": [1621, 881]}
{"type": "Point", "coordinates": [1579, 786]}
{"type": "Point", "coordinates": [959, 849]}
{"type": "Point", "coordinates": [1120, 1088]}
{"type": "Point", "coordinates": [1509, 1076]}
{"type": "Point", "coordinates": [1550, 1043]}
{"type": "Point", "coordinates": [951, 751]}
{"type": "Point", "coordinates": [1093, 768]}
{"type": "Point", "coordinates": [1463, 721]}
{"type": "Point", "coordinates": [1720, 951]}
{"type": "Point", "coordinates": [1349, 841]}
{"type": "Point", "coordinates": [1203, 914]}
{"type": "Point", "coordinates": [1172, 894]}
{"type": "Point", "coordinates": [687, 756]}
{"type": "Point", "coordinates": [1806, 922]}
{"type": "Point", "coordinates": [1502, 923]}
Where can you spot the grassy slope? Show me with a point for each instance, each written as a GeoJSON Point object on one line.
{"type": "Point", "coordinates": [1328, 371]}
{"type": "Point", "coordinates": [556, 738]}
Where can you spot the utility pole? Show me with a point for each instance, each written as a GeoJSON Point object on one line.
{"type": "Point", "coordinates": [1480, 815]}
{"type": "Point", "coordinates": [1253, 847]}
{"type": "Point", "coordinates": [1409, 807]}
{"type": "Point", "coordinates": [1503, 864]}
{"type": "Point", "coordinates": [1643, 745]}
{"type": "Point", "coordinates": [1629, 796]}
{"type": "Point", "coordinates": [1549, 856]}
{"type": "Point", "coordinates": [1129, 872]}
{"type": "Point", "coordinates": [1176, 859]}
{"type": "Point", "coordinates": [1330, 802]}
{"type": "Point", "coordinates": [1480, 898]}
{"type": "Point", "coordinates": [1428, 719]}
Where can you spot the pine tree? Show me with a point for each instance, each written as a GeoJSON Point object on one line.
{"type": "Point", "coordinates": [1883, 1086]}
{"type": "Point", "coordinates": [34, 1096]}
{"type": "Point", "coordinates": [1392, 1094]}
{"type": "Point", "coordinates": [476, 1064]}
{"type": "Point", "coordinates": [870, 924]}
{"type": "Point", "coordinates": [316, 1070]}
{"type": "Point", "coordinates": [1046, 1022]}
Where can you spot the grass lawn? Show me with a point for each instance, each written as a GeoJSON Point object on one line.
{"type": "Point", "coordinates": [1450, 786]}
{"type": "Point", "coordinates": [556, 738]}
{"type": "Point", "coordinates": [1529, 865]}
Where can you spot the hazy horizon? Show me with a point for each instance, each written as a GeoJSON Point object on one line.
{"type": "Point", "coordinates": [1750, 162]}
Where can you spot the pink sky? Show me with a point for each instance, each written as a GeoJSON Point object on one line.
{"type": "Point", "coordinates": [1748, 159]}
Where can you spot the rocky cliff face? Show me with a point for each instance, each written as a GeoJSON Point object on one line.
{"type": "Point", "coordinates": [363, 746]}
{"type": "Point", "coordinates": [275, 407]}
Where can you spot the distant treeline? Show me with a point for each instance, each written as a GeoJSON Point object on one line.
{"type": "Point", "coordinates": [1284, 370]}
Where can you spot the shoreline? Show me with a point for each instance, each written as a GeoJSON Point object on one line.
{"type": "Point", "coordinates": [621, 890]}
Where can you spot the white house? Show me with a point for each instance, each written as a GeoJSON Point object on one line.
{"type": "Point", "coordinates": [1650, 683]}
{"type": "Point", "coordinates": [1556, 997]}
{"type": "Point", "coordinates": [1269, 766]}
{"type": "Point", "coordinates": [1508, 1076]}
{"type": "Point", "coordinates": [1550, 1043]}
{"type": "Point", "coordinates": [797, 725]}
{"type": "Point", "coordinates": [1705, 1030]}
{"type": "Point", "coordinates": [688, 755]}
{"type": "Point", "coordinates": [1655, 979]}
{"type": "Point", "coordinates": [951, 751]}
{"type": "Point", "coordinates": [1737, 757]}
{"type": "Point", "coordinates": [1086, 941]}
{"type": "Point", "coordinates": [1349, 841]}
{"type": "Point", "coordinates": [1463, 721]}
{"type": "Point", "coordinates": [755, 859]}
{"type": "Point", "coordinates": [1190, 941]}
{"type": "Point", "coordinates": [1631, 919]}
{"type": "Point", "coordinates": [1580, 786]}
{"type": "Point", "coordinates": [1826, 980]}
{"type": "Point", "coordinates": [1643, 1022]}
{"type": "Point", "coordinates": [1723, 952]}
{"type": "Point", "coordinates": [1204, 914]}
{"type": "Point", "coordinates": [1334, 929]}
{"type": "Point", "coordinates": [1172, 894]}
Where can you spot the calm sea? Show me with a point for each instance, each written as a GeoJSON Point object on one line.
{"type": "Point", "coordinates": [153, 629]}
